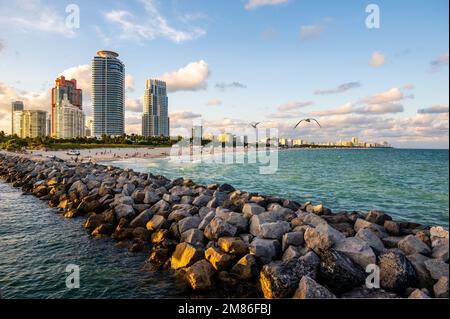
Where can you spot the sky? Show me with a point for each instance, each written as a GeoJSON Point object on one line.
{"type": "Point", "coordinates": [231, 62]}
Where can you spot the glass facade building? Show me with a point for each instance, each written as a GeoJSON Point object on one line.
{"type": "Point", "coordinates": [155, 118]}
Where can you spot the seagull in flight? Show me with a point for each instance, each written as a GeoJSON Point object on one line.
{"type": "Point", "coordinates": [255, 125]}
{"type": "Point", "coordinates": [309, 121]}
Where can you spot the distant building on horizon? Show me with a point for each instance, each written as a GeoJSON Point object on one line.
{"type": "Point", "coordinates": [67, 111]}
{"type": "Point", "coordinates": [30, 123]}
{"type": "Point", "coordinates": [15, 106]}
{"type": "Point", "coordinates": [155, 117]}
{"type": "Point", "coordinates": [108, 94]}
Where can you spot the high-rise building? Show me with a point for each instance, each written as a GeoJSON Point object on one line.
{"type": "Point", "coordinates": [15, 106]}
{"type": "Point", "coordinates": [108, 94]}
{"type": "Point", "coordinates": [67, 110]}
{"type": "Point", "coordinates": [155, 118]}
{"type": "Point", "coordinates": [30, 123]}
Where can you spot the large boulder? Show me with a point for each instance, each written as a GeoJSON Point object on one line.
{"type": "Point", "coordinates": [206, 220]}
{"type": "Point", "coordinates": [219, 259]}
{"type": "Point", "coordinates": [437, 268]}
{"type": "Point", "coordinates": [440, 289]}
{"type": "Point", "coordinates": [233, 245]}
{"type": "Point", "coordinates": [201, 275]}
{"type": "Point", "coordinates": [188, 223]}
{"type": "Point", "coordinates": [292, 239]}
{"type": "Point", "coordinates": [251, 209]}
{"type": "Point", "coordinates": [265, 249]}
{"type": "Point", "coordinates": [157, 222]}
{"type": "Point", "coordinates": [142, 219]}
{"type": "Point", "coordinates": [280, 279]}
{"type": "Point", "coordinates": [201, 200]}
{"type": "Point", "coordinates": [440, 251]}
{"type": "Point", "coordinates": [358, 250]}
{"type": "Point", "coordinates": [219, 228]}
{"type": "Point", "coordinates": [246, 268]}
{"type": "Point", "coordinates": [371, 239]}
{"type": "Point", "coordinates": [269, 230]}
{"type": "Point", "coordinates": [193, 236]}
{"type": "Point", "coordinates": [396, 271]}
{"type": "Point", "coordinates": [177, 215]}
{"type": "Point", "coordinates": [80, 188]}
{"type": "Point", "coordinates": [185, 255]}
{"type": "Point", "coordinates": [322, 237]}
{"type": "Point", "coordinates": [418, 294]}
{"type": "Point", "coordinates": [308, 288]}
{"type": "Point", "coordinates": [338, 272]}
{"type": "Point", "coordinates": [311, 219]}
{"type": "Point", "coordinates": [124, 211]}
{"type": "Point", "coordinates": [424, 279]}
{"type": "Point", "coordinates": [411, 245]}
{"type": "Point", "coordinates": [364, 224]}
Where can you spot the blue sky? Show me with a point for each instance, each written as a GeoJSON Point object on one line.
{"type": "Point", "coordinates": [235, 61]}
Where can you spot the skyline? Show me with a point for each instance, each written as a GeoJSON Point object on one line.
{"type": "Point", "coordinates": [379, 84]}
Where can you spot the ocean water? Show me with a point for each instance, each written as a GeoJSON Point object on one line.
{"type": "Point", "coordinates": [411, 185]}
{"type": "Point", "coordinates": [36, 244]}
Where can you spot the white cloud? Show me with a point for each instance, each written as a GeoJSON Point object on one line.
{"type": "Point", "coordinates": [2, 45]}
{"type": "Point", "coordinates": [155, 25]}
{"type": "Point", "coordinates": [377, 60]}
{"type": "Point", "coordinates": [192, 77]}
{"type": "Point", "coordinates": [183, 115]}
{"type": "Point", "coordinates": [233, 85]}
{"type": "Point", "coordinates": [33, 15]}
{"type": "Point", "coordinates": [253, 4]}
{"type": "Point", "coordinates": [308, 32]}
{"type": "Point", "coordinates": [377, 109]}
{"type": "Point", "coordinates": [81, 73]}
{"type": "Point", "coordinates": [134, 105]}
{"type": "Point", "coordinates": [129, 83]}
{"type": "Point", "coordinates": [214, 102]}
{"type": "Point", "coordinates": [435, 109]}
{"type": "Point", "coordinates": [344, 109]}
{"type": "Point", "coordinates": [389, 96]}
{"type": "Point", "coordinates": [293, 105]}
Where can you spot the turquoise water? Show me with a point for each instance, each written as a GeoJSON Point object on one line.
{"type": "Point", "coordinates": [36, 245]}
{"type": "Point", "coordinates": [408, 184]}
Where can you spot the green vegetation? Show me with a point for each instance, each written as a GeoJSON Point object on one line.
{"type": "Point", "coordinates": [15, 143]}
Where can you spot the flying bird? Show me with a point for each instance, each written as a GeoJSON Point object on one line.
{"type": "Point", "coordinates": [254, 125]}
{"type": "Point", "coordinates": [309, 121]}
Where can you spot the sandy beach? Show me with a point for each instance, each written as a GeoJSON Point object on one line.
{"type": "Point", "coordinates": [106, 154]}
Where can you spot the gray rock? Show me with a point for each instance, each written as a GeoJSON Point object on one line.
{"type": "Point", "coordinates": [201, 200]}
{"type": "Point", "coordinates": [308, 288]}
{"type": "Point", "coordinates": [177, 215]}
{"type": "Point", "coordinates": [80, 188]}
{"type": "Point", "coordinates": [292, 239]}
{"type": "Point", "coordinates": [246, 268]}
{"type": "Point", "coordinates": [411, 245]}
{"type": "Point", "coordinates": [124, 211]}
{"type": "Point", "coordinates": [393, 228]}
{"type": "Point", "coordinates": [338, 272]}
{"type": "Point", "coordinates": [364, 224]}
{"type": "Point", "coordinates": [265, 249]}
{"type": "Point", "coordinates": [251, 209]}
{"type": "Point", "coordinates": [185, 255]}
{"type": "Point", "coordinates": [157, 222]}
{"type": "Point", "coordinates": [201, 275]}
{"type": "Point", "coordinates": [322, 237]}
{"type": "Point", "coordinates": [292, 252]}
{"type": "Point", "coordinates": [440, 289]}
{"type": "Point", "coordinates": [206, 220]}
{"type": "Point", "coordinates": [311, 219]}
{"type": "Point", "coordinates": [423, 276]}
{"type": "Point", "coordinates": [161, 207]}
{"type": "Point", "coordinates": [219, 228]}
{"type": "Point", "coordinates": [192, 236]}
{"type": "Point", "coordinates": [237, 220]}
{"type": "Point", "coordinates": [396, 271]}
{"type": "Point", "coordinates": [437, 268]}
{"type": "Point", "coordinates": [188, 223]}
{"type": "Point", "coordinates": [270, 230]}
{"type": "Point", "coordinates": [440, 252]}
{"type": "Point", "coordinates": [280, 279]}
{"type": "Point", "coordinates": [233, 245]}
{"type": "Point", "coordinates": [142, 219]}
{"type": "Point", "coordinates": [151, 198]}
{"type": "Point", "coordinates": [391, 241]}
{"type": "Point", "coordinates": [358, 250]}
{"type": "Point", "coordinates": [371, 239]}
{"type": "Point", "coordinates": [128, 189]}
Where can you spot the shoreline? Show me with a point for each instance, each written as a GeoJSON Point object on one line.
{"type": "Point", "coordinates": [217, 237]}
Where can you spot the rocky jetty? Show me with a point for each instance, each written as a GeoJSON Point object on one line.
{"type": "Point", "coordinates": [219, 238]}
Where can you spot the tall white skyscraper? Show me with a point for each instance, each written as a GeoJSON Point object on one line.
{"type": "Point", "coordinates": [155, 118]}
{"type": "Point", "coordinates": [30, 123]}
{"type": "Point", "coordinates": [15, 106]}
{"type": "Point", "coordinates": [108, 94]}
